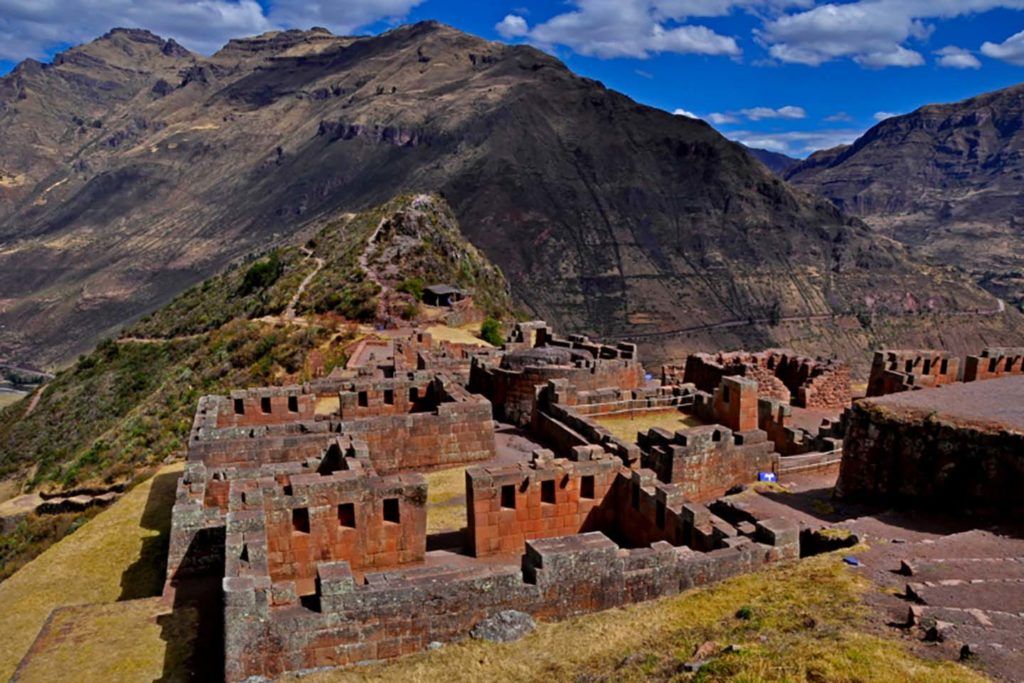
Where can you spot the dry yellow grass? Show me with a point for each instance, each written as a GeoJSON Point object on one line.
{"type": "Point", "coordinates": [8, 398]}
{"type": "Point", "coordinates": [115, 554]}
{"type": "Point", "coordinates": [327, 405]}
{"type": "Point", "coordinates": [805, 625]}
{"type": "Point", "coordinates": [459, 335]}
{"type": "Point", "coordinates": [121, 641]}
{"type": "Point", "coordinates": [446, 503]}
{"type": "Point", "coordinates": [626, 426]}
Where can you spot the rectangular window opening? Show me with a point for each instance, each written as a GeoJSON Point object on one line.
{"type": "Point", "coordinates": [239, 406]}
{"type": "Point", "coordinates": [364, 400]}
{"type": "Point", "coordinates": [293, 404]}
{"type": "Point", "coordinates": [944, 366]}
{"type": "Point", "coordinates": [508, 496]}
{"type": "Point", "coordinates": [347, 515]}
{"type": "Point", "coordinates": [547, 491]}
{"type": "Point", "coordinates": [389, 397]}
{"type": "Point", "coordinates": [300, 520]}
{"type": "Point", "coordinates": [392, 513]}
{"type": "Point", "coordinates": [587, 487]}
{"type": "Point", "coordinates": [265, 405]}
{"type": "Point", "coordinates": [659, 514]}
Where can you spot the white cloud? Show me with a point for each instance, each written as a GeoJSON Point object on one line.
{"type": "Point", "coordinates": [873, 33]}
{"type": "Point", "coordinates": [787, 112]}
{"type": "Point", "coordinates": [719, 118]}
{"type": "Point", "coordinates": [1010, 50]}
{"type": "Point", "coordinates": [839, 116]}
{"type": "Point", "coordinates": [637, 28]}
{"type": "Point", "coordinates": [883, 115]}
{"type": "Point", "coordinates": [953, 57]}
{"type": "Point", "coordinates": [796, 143]}
{"type": "Point", "coordinates": [687, 114]}
{"type": "Point", "coordinates": [512, 27]}
{"type": "Point", "coordinates": [32, 28]}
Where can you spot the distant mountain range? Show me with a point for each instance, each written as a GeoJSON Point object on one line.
{"type": "Point", "coordinates": [132, 168]}
{"type": "Point", "coordinates": [777, 162]}
{"type": "Point", "coordinates": [947, 180]}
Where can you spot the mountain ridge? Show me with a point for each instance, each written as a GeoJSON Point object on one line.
{"type": "Point", "coordinates": [944, 179]}
{"type": "Point", "coordinates": [606, 216]}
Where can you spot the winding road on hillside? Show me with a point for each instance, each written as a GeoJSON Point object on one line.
{"type": "Point", "coordinates": [743, 322]}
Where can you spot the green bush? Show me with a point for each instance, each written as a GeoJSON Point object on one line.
{"type": "Point", "coordinates": [262, 274]}
{"type": "Point", "coordinates": [490, 332]}
{"type": "Point", "coordinates": [413, 286]}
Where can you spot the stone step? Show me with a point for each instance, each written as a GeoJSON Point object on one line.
{"type": "Point", "coordinates": [969, 616]}
{"type": "Point", "coordinates": [1005, 595]}
{"type": "Point", "coordinates": [963, 568]}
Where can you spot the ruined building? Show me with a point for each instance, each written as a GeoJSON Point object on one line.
{"type": "Point", "coordinates": [310, 501]}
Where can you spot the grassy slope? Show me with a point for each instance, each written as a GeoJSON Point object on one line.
{"type": "Point", "coordinates": [120, 552]}
{"type": "Point", "coordinates": [806, 624]}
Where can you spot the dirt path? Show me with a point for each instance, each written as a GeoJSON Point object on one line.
{"type": "Point", "coordinates": [289, 312]}
{"type": "Point", "coordinates": [34, 401]}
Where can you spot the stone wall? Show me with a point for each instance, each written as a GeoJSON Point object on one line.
{"type": "Point", "coordinates": [548, 497]}
{"type": "Point", "coordinates": [896, 371]}
{"type": "Point", "coordinates": [780, 374]}
{"type": "Point", "coordinates": [957, 448]}
{"type": "Point", "coordinates": [402, 612]}
{"type": "Point", "coordinates": [705, 462]}
{"type": "Point", "coordinates": [264, 406]}
{"type": "Point", "coordinates": [994, 362]}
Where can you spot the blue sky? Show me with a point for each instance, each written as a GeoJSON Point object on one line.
{"type": "Point", "coordinates": [789, 75]}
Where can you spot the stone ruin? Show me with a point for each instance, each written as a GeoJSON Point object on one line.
{"type": "Point", "coordinates": [310, 504]}
{"type": "Point", "coordinates": [894, 371]}
{"type": "Point", "coordinates": [780, 374]}
{"type": "Point", "coordinates": [958, 447]}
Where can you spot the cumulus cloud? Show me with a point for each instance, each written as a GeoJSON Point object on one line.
{"type": "Point", "coordinates": [953, 57]}
{"type": "Point", "coordinates": [638, 28]}
{"type": "Point", "coordinates": [33, 28]}
{"type": "Point", "coordinates": [787, 112]}
{"type": "Point", "coordinates": [873, 33]}
{"type": "Point", "coordinates": [687, 114]}
{"type": "Point", "coordinates": [796, 143]}
{"type": "Point", "coordinates": [883, 115]}
{"type": "Point", "coordinates": [512, 27]}
{"type": "Point", "coordinates": [1010, 50]}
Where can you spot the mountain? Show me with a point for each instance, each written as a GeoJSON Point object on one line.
{"type": "Point", "coordinates": [134, 169]}
{"type": "Point", "coordinates": [947, 179]}
{"type": "Point", "coordinates": [777, 163]}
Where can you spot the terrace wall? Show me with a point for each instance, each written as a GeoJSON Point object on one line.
{"type": "Point", "coordinates": [896, 371]}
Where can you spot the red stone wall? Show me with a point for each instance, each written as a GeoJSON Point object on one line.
{"type": "Point", "coordinates": [253, 403]}
{"type": "Point", "coordinates": [896, 371]}
{"type": "Point", "coordinates": [993, 363]}
{"type": "Point", "coordinates": [365, 541]}
{"type": "Point", "coordinates": [495, 528]}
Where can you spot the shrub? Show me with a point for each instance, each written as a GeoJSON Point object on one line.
{"type": "Point", "coordinates": [413, 286]}
{"type": "Point", "coordinates": [490, 332]}
{"type": "Point", "coordinates": [262, 274]}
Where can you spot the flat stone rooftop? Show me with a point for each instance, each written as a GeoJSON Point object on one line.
{"type": "Point", "coordinates": [989, 402]}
